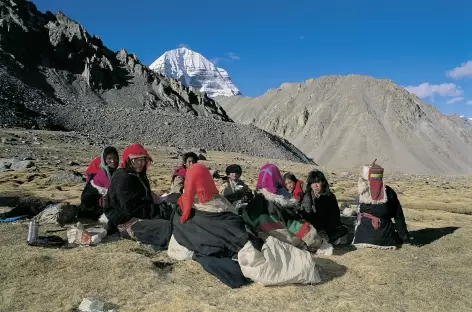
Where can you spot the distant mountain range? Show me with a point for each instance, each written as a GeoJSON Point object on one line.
{"type": "Point", "coordinates": [348, 121]}
{"type": "Point", "coordinates": [55, 76]}
{"type": "Point", "coordinates": [194, 70]}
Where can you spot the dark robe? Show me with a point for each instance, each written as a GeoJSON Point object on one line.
{"type": "Point", "coordinates": [381, 232]}
{"type": "Point", "coordinates": [324, 214]}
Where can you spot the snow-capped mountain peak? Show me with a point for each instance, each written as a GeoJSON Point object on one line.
{"type": "Point", "coordinates": [194, 70]}
{"type": "Point", "coordinates": [466, 118]}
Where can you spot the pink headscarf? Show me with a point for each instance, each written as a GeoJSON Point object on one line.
{"type": "Point", "coordinates": [269, 178]}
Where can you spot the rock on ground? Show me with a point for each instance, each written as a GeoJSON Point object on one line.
{"type": "Point", "coordinates": [13, 164]}
{"type": "Point", "coordinates": [67, 177]}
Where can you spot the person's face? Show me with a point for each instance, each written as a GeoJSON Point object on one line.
{"type": "Point", "coordinates": [190, 162]}
{"type": "Point", "coordinates": [289, 185]}
{"type": "Point", "coordinates": [316, 187]}
{"type": "Point", "coordinates": [111, 160]}
{"type": "Point", "coordinates": [139, 164]}
{"type": "Point", "coordinates": [233, 176]}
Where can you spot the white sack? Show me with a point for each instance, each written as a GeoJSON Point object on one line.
{"type": "Point", "coordinates": [278, 263]}
{"type": "Point", "coordinates": [178, 252]}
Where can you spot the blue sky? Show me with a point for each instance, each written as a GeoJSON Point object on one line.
{"type": "Point", "coordinates": [422, 44]}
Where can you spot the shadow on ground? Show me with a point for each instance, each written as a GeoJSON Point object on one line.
{"type": "Point", "coordinates": [343, 249]}
{"type": "Point", "coordinates": [329, 270]}
{"type": "Point", "coordinates": [422, 237]}
{"type": "Point", "coordinates": [427, 236]}
{"type": "Point", "coordinates": [340, 250]}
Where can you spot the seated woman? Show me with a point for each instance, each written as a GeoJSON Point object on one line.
{"type": "Point", "coordinates": [92, 202]}
{"type": "Point", "coordinates": [132, 207]}
{"type": "Point", "coordinates": [178, 178]}
{"type": "Point", "coordinates": [378, 204]}
{"type": "Point", "coordinates": [234, 189]}
{"type": "Point", "coordinates": [273, 212]}
{"type": "Point", "coordinates": [211, 228]}
{"type": "Point", "coordinates": [293, 186]}
{"type": "Point", "coordinates": [321, 209]}
{"type": "Point", "coordinates": [93, 168]}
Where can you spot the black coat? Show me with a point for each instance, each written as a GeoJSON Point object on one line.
{"type": "Point", "coordinates": [89, 207]}
{"type": "Point", "coordinates": [322, 212]}
{"type": "Point", "coordinates": [220, 234]}
{"type": "Point", "coordinates": [385, 236]}
{"type": "Point", "coordinates": [130, 196]}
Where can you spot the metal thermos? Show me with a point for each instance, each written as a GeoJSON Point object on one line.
{"type": "Point", "coordinates": [32, 232]}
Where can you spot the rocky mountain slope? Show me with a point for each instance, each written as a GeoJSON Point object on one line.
{"type": "Point", "coordinates": [54, 75]}
{"type": "Point", "coordinates": [194, 70]}
{"type": "Point", "coordinates": [347, 121]}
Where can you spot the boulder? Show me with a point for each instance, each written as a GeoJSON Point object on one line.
{"type": "Point", "coordinates": [91, 305]}
{"type": "Point", "coordinates": [67, 177]}
{"type": "Point", "coordinates": [22, 165]}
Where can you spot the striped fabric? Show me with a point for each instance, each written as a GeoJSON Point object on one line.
{"type": "Point", "coordinates": [376, 182]}
{"type": "Point", "coordinates": [268, 223]}
{"type": "Point", "coordinates": [296, 230]}
{"type": "Point", "coordinates": [376, 173]}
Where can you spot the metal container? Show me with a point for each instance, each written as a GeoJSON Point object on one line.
{"type": "Point", "coordinates": [32, 232]}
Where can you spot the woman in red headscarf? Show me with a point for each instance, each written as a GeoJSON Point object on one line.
{"type": "Point", "coordinates": [210, 226]}
{"type": "Point", "coordinates": [93, 195]}
{"type": "Point", "coordinates": [130, 204]}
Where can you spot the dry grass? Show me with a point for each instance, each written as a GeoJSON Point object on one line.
{"type": "Point", "coordinates": [435, 277]}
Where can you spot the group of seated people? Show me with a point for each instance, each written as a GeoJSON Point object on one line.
{"type": "Point", "coordinates": [215, 223]}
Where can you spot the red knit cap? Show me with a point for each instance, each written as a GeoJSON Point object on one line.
{"type": "Point", "coordinates": [134, 151]}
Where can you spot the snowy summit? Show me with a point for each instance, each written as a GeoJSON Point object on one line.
{"type": "Point", "coordinates": [469, 119]}
{"type": "Point", "coordinates": [194, 70]}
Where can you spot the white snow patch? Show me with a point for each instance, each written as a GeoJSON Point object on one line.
{"type": "Point", "coordinates": [194, 70]}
